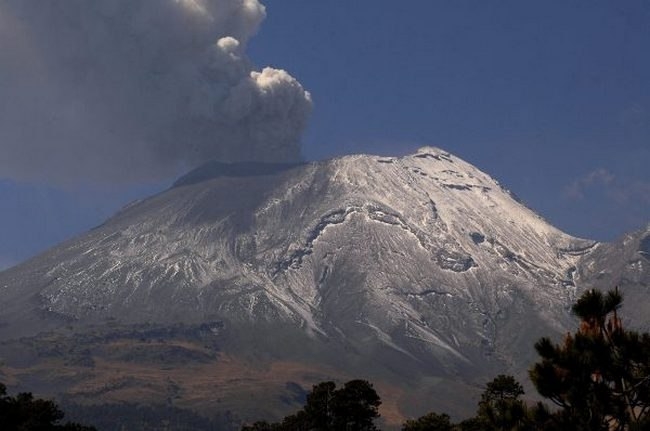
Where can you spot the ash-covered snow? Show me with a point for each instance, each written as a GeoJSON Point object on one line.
{"type": "Point", "coordinates": [425, 251]}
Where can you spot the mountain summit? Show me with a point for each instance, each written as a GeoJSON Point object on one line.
{"type": "Point", "coordinates": [419, 270]}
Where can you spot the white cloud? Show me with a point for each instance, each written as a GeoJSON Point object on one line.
{"type": "Point", "coordinates": [136, 89]}
{"type": "Point", "coordinates": [618, 190]}
{"type": "Point", "coordinates": [598, 178]}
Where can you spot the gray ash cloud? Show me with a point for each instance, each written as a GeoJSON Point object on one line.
{"type": "Point", "coordinates": [129, 90]}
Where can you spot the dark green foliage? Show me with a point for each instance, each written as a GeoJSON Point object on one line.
{"type": "Point", "coordinates": [353, 407]}
{"type": "Point", "coordinates": [260, 426]}
{"type": "Point", "coordinates": [542, 418]}
{"type": "Point", "coordinates": [599, 376]}
{"type": "Point", "coordinates": [471, 424]}
{"type": "Point", "coordinates": [296, 422]}
{"type": "Point", "coordinates": [319, 409]}
{"type": "Point", "coordinates": [26, 413]}
{"type": "Point", "coordinates": [429, 422]}
{"type": "Point", "coordinates": [500, 407]}
{"type": "Point", "coordinates": [502, 388]}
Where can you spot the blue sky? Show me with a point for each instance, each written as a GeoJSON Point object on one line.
{"type": "Point", "coordinates": [552, 98]}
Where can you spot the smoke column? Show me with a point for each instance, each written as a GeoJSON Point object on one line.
{"type": "Point", "coordinates": [131, 90]}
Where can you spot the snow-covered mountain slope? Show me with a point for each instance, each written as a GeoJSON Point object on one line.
{"type": "Point", "coordinates": [383, 244]}
{"type": "Point", "coordinates": [419, 265]}
{"type": "Point", "coordinates": [624, 264]}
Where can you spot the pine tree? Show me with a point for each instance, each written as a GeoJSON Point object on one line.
{"type": "Point", "coordinates": [319, 407]}
{"type": "Point", "coordinates": [429, 422]}
{"type": "Point", "coordinates": [599, 376]}
{"type": "Point", "coordinates": [354, 407]}
{"type": "Point", "coordinates": [500, 407]}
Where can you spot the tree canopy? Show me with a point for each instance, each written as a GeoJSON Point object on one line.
{"type": "Point", "coordinates": [25, 413]}
{"type": "Point", "coordinates": [429, 422]}
{"type": "Point", "coordinates": [599, 377]}
{"type": "Point", "coordinates": [353, 407]}
{"type": "Point", "coordinates": [500, 407]}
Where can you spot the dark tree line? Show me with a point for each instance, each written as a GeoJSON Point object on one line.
{"type": "Point", "coordinates": [598, 379]}
{"type": "Point", "coordinates": [23, 412]}
{"type": "Point", "coordinates": [500, 408]}
{"type": "Point", "coordinates": [352, 407]}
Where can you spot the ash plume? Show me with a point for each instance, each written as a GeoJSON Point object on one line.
{"type": "Point", "coordinates": [130, 90]}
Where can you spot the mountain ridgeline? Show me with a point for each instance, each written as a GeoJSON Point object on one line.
{"type": "Point", "coordinates": [251, 282]}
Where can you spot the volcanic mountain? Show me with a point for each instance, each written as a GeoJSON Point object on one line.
{"type": "Point", "coordinates": [243, 284]}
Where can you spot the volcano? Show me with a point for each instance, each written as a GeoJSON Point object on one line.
{"type": "Point", "coordinates": [239, 287]}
